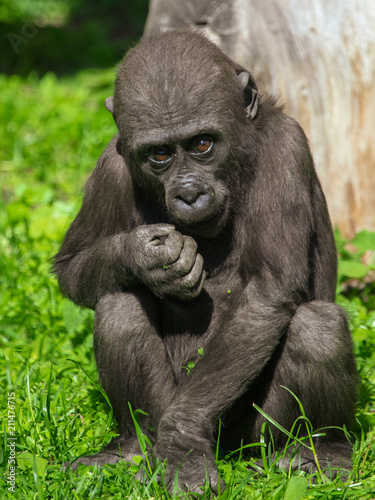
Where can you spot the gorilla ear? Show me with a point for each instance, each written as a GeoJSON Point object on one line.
{"type": "Point", "coordinates": [108, 103]}
{"type": "Point", "coordinates": [250, 94]}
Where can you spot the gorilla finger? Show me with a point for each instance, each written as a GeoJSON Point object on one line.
{"type": "Point", "coordinates": [171, 249]}
{"type": "Point", "coordinates": [155, 233]}
{"type": "Point", "coordinates": [187, 257]}
{"type": "Point", "coordinates": [194, 281]}
{"type": "Point", "coordinates": [197, 269]}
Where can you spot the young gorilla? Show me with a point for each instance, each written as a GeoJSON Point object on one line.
{"type": "Point", "coordinates": [204, 226]}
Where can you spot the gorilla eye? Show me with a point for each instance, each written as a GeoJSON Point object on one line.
{"type": "Point", "coordinates": [160, 156]}
{"type": "Point", "coordinates": [202, 146]}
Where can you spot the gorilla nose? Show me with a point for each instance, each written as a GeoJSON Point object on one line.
{"type": "Point", "coordinates": [193, 194]}
{"type": "Point", "coordinates": [190, 193]}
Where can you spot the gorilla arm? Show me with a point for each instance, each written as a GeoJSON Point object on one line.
{"type": "Point", "coordinates": [86, 263]}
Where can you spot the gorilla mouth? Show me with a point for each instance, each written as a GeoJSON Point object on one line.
{"type": "Point", "coordinates": [208, 226]}
{"type": "Point", "coordinates": [212, 220]}
{"type": "Point", "coordinates": [197, 208]}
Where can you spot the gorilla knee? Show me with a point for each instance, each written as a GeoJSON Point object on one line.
{"type": "Point", "coordinates": [320, 331]}
{"type": "Point", "coordinates": [125, 304]}
{"type": "Point", "coordinates": [120, 313]}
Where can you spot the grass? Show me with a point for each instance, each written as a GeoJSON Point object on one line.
{"type": "Point", "coordinates": [52, 132]}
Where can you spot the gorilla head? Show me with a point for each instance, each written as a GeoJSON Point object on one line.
{"type": "Point", "coordinates": [181, 140]}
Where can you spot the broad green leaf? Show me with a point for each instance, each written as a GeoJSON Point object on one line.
{"type": "Point", "coordinates": [365, 240]}
{"type": "Point", "coordinates": [352, 269]}
{"type": "Point", "coordinates": [296, 488]}
{"type": "Point", "coordinates": [26, 460]}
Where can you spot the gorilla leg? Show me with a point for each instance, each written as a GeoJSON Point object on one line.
{"type": "Point", "coordinates": [131, 357]}
{"type": "Point", "coordinates": [316, 363]}
{"type": "Point", "coordinates": [133, 366]}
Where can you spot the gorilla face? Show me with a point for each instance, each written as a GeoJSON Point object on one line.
{"type": "Point", "coordinates": [189, 176]}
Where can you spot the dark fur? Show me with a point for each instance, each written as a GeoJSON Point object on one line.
{"type": "Point", "coordinates": [265, 315]}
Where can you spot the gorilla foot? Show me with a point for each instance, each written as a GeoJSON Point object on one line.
{"type": "Point", "coordinates": [193, 473]}
{"type": "Point", "coordinates": [118, 449]}
{"type": "Point", "coordinates": [333, 458]}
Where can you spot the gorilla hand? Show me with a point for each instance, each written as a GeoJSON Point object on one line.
{"type": "Point", "coordinates": [165, 261]}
